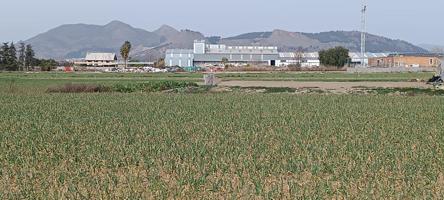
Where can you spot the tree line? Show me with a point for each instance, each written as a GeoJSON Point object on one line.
{"type": "Point", "coordinates": [21, 57]}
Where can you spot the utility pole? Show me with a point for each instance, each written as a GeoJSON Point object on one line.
{"type": "Point", "coordinates": [363, 32]}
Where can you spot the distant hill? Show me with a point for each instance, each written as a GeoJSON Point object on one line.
{"type": "Point", "coordinates": [75, 40]}
{"type": "Point", "coordinates": [433, 48]}
{"type": "Point", "coordinates": [288, 41]}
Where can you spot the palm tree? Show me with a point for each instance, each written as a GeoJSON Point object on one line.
{"type": "Point", "coordinates": [124, 52]}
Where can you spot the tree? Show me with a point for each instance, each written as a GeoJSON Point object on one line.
{"type": "Point", "coordinates": [29, 57]}
{"type": "Point", "coordinates": [225, 62]}
{"type": "Point", "coordinates": [337, 57]}
{"type": "Point", "coordinates": [124, 52]}
{"type": "Point", "coordinates": [21, 58]}
{"type": "Point", "coordinates": [4, 50]}
{"type": "Point", "coordinates": [8, 57]}
{"type": "Point", "coordinates": [12, 59]}
{"type": "Point", "coordinates": [160, 63]}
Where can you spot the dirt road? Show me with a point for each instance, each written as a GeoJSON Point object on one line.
{"type": "Point", "coordinates": [325, 85]}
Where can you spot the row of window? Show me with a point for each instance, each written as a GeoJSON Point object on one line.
{"type": "Point", "coordinates": [180, 62]}
{"type": "Point", "coordinates": [180, 55]}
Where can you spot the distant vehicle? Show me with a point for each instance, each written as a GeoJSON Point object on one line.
{"type": "Point", "coordinates": [438, 79]}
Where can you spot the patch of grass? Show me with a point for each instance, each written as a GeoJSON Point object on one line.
{"type": "Point", "coordinates": [192, 89]}
{"type": "Point", "coordinates": [409, 91]}
{"type": "Point", "coordinates": [155, 86]}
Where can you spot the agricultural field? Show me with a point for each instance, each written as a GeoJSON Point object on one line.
{"type": "Point", "coordinates": [38, 82]}
{"type": "Point", "coordinates": [236, 145]}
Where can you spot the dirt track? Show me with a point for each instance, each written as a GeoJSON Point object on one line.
{"type": "Point", "coordinates": [325, 85]}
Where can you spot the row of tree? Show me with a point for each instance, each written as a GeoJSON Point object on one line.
{"type": "Point", "coordinates": [12, 59]}
{"type": "Point", "coordinates": [21, 57]}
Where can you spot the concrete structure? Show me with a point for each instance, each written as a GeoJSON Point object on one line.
{"type": "Point", "coordinates": [205, 55]}
{"type": "Point", "coordinates": [406, 60]}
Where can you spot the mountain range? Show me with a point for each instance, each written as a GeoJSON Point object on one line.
{"type": "Point", "coordinates": [75, 40]}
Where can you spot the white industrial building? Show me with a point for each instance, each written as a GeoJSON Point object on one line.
{"type": "Point", "coordinates": [205, 55]}
{"type": "Point", "coordinates": [304, 59]}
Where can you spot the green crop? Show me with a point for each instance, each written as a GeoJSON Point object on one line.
{"type": "Point", "coordinates": [229, 145]}
{"type": "Point", "coordinates": [202, 145]}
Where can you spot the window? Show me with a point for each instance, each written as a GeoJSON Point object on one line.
{"type": "Point", "coordinates": [431, 61]}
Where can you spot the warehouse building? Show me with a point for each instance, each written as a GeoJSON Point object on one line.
{"type": "Point", "coordinates": [99, 60]}
{"type": "Point", "coordinates": [106, 60]}
{"type": "Point", "coordinates": [206, 55]}
{"type": "Point", "coordinates": [406, 60]}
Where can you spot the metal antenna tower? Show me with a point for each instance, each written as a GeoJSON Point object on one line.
{"type": "Point", "coordinates": [363, 31]}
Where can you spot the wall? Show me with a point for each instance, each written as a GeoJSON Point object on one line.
{"type": "Point", "coordinates": [179, 59]}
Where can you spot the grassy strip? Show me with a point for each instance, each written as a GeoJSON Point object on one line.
{"type": "Point", "coordinates": [153, 86]}
{"type": "Point", "coordinates": [409, 91]}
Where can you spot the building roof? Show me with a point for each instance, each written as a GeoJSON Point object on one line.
{"type": "Point", "coordinates": [357, 55]}
{"type": "Point", "coordinates": [217, 57]}
{"type": "Point", "coordinates": [416, 54]}
{"type": "Point", "coordinates": [179, 51]}
{"type": "Point", "coordinates": [101, 56]}
{"type": "Point", "coordinates": [308, 55]}
{"type": "Point", "coordinates": [221, 48]}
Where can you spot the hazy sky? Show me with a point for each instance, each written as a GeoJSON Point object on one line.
{"type": "Point", "coordinates": [411, 20]}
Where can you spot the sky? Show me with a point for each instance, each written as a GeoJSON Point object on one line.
{"type": "Point", "coordinates": [415, 21]}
